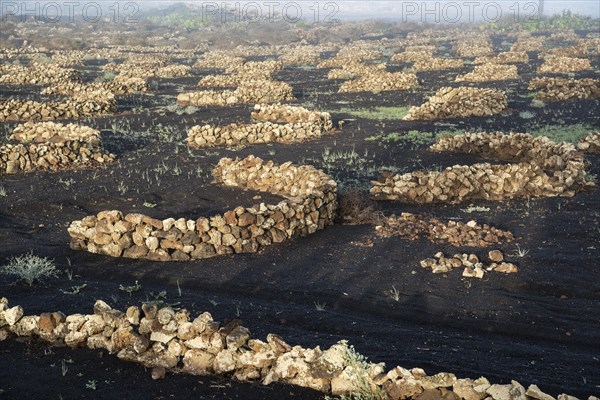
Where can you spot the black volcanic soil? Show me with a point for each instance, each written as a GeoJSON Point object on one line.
{"type": "Point", "coordinates": [539, 326]}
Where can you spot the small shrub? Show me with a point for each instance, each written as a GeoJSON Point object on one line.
{"type": "Point", "coordinates": [30, 268]}
{"type": "Point", "coordinates": [355, 207]}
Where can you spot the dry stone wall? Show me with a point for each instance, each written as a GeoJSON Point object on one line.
{"type": "Point", "coordinates": [50, 146]}
{"type": "Point", "coordinates": [247, 92]}
{"type": "Point", "coordinates": [37, 74]}
{"type": "Point", "coordinates": [310, 204]}
{"type": "Point", "coordinates": [278, 123]}
{"type": "Point", "coordinates": [509, 57]}
{"type": "Point", "coordinates": [540, 168]}
{"type": "Point", "coordinates": [591, 143]}
{"type": "Point", "coordinates": [381, 81]}
{"type": "Point", "coordinates": [78, 105]}
{"type": "Point", "coordinates": [490, 72]}
{"type": "Point", "coordinates": [562, 89]}
{"type": "Point", "coordinates": [561, 65]}
{"type": "Point", "coordinates": [437, 64]}
{"type": "Point", "coordinates": [460, 102]}
{"type": "Point", "coordinates": [165, 339]}
{"type": "Point", "coordinates": [119, 85]}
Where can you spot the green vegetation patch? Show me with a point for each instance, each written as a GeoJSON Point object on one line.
{"type": "Point", "coordinates": [385, 113]}
{"type": "Point", "coordinates": [564, 133]}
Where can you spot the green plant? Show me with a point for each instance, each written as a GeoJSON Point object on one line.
{"type": "Point", "coordinates": [148, 204]}
{"type": "Point", "coordinates": [30, 268]}
{"type": "Point", "coordinates": [75, 289]}
{"type": "Point", "coordinates": [91, 384]}
{"type": "Point", "coordinates": [320, 306]}
{"type": "Point", "coordinates": [360, 367]}
{"type": "Point", "coordinates": [2, 191]}
{"type": "Point", "coordinates": [564, 133]}
{"type": "Point", "coordinates": [130, 289]}
{"type": "Point", "coordinates": [414, 138]}
{"type": "Point", "coordinates": [379, 113]}
{"type": "Point", "coordinates": [394, 294]}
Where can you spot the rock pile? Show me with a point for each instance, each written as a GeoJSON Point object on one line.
{"type": "Point", "coordinates": [437, 64]}
{"type": "Point", "coordinates": [455, 233]}
{"type": "Point", "coordinates": [544, 169]}
{"type": "Point", "coordinates": [352, 70]}
{"type": "Point", "coordinates": [460, 102]}
{"type": "Point", "coordinates": [591, 143]}
{"type": "Point", "coordinates": [579, 51]}
{"type": "Point", "coordinates": [301, 56]}
{"type": "Point", "coordinates": [309, 205]}
{"type": "Point", "coordinates": [255, 70]}
{"type": "Point", "coordinates": [79, 105]}
{"type": "Point", "coordinates": [413, 56]}
{"type": "Point", "coordinates": [474, 48]}
{"type": "Point", "coordinates": [220, 80]}
{"type": "Point", "coordinates": [473, 267]}
{"type": "Point", "coordinates": [247, 92]}
{"type": "Point", "coordinates": [561, 89]}
{"type": "Point", "coordinates": [528, 44]}
{"type": "Point", "coordinates": [49, 146]}
{"type": "Point", "coordinates": [173, 71]}
{"type": "Point", "coordinates": [282, 113]}
{"type": "Point", "coordinates": [119, 85]}
{"type": "Point", "coordinates": [490, 72]}
{"type": "Point", "coordinates": [379, 82]}
{"type": "Point", "coordinates": [37, 74]}
{"type": "Point", "coordinates": [165, 339]}
{"type": "Point", "coordinates": [508, 57]}
{"type": "Point", "coordinates": [218, 59]}
{"type": "Point", "coordinates": [260, 132]}
{"type": "Point", "coordinates": [50, 132]}
{"type": "Point", "coordinates": [561, 65]}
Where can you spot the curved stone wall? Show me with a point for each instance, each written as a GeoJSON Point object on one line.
{"type": "Point", "coordinates": [310, 204]}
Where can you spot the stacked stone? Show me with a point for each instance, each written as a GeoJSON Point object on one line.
{"type": "Point", "coordinates": [247, 134]}
{"type": "Point", "coordinates": [247, 92]}
{"type": "Point", "coordinates": [456, 233]}
{"type": "Point", "coordinates": [562, 89]}
{"type": "Point", "coordinates": [220, 80]}
{"type": "Point", "coordinates": [207, 98]}
{"type": "Point", "coordinates": [144, 66]}
{"type": "Point", "coordinates": [560, 65]}
{"type": "Point", "coordinates": [437, 64]}
{"type": "Point", "coordinates": [350, 55]}
{"type": "Point", "coordinates": [544, 169]}
{"type": "Point", "coordinates": [255, 70]}
{"type": "Point", "coordinates": [80, 105]}
{"type": "Point", "coordinates": [119, 85]}
{"type": "Point", "coordinates": [282, 113]}
{"type": "Point", "coordinates": [490, 72]}
{"type": "Point", "coordinates": [50, 132]}
{"type": "Point", "coordinates": [68, 58]}
{"type": "Point", "coordinates": [264, 91]}
{"type": "Point", "coordinates": [473, 267]}
{"type": "Point", "coordinates": [37, 74]}
{"type": "Point", "coordinates": [309, 206]}
{"type": "Point", "coordinates": [164, 339]}
{"type": "Point", "coordinates": [591, 143]}
{"type": "Point", "coordinates": [49, 146]}
{"type": "Point", "coordinates": [381, 81]}
{"type": "Point", "coordinates": [579, 51]}
{"type": "Point", "coordinates": [460, 102]}
{"type": "Point", "coordinates": [355, 69]}
{"type": "Point", "coordinates": [173, 71]}
{"type": "Point", "coordinates": [301, 56]}
{"type": "Point", "coordinates": [508, 57]}
{"type": "Point", "coordinates": [218, 59]}
{"type": "Point", "coordinates": [413, 56]}
{"type": "Point", "coordinates": [528, 44]}
{"type": "Point", "coordinates": [474, 48]}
